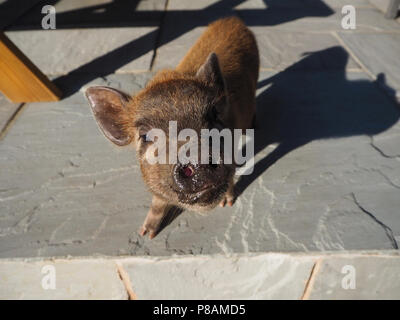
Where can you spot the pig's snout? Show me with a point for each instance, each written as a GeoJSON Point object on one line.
{"type": "Point", "coordinates": [195, 178]}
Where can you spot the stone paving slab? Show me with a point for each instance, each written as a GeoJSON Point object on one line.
{"type": "Point", "coordinates": [331, 275]}
{"type": "Point", "coordinates": [309, 16]}
{"type": "Point", "coordinates": [262, 4]}
{"type": "Point", "coordinates": [374, 277]}
{"type": "Point", "coordinates": [284, 30]}
{"type": "Point", "coordinates": [95, 13]}
{"type": "Point", "coordinates": [254, 12]}
{"type": "Point", "coordinates": [57, 52]}
{"type": "Point", "coordinates": [66, 132]}
{"type": "Point", "coordinates": [350, 275]}
{"type": "Point", "coordinates": [7, 110]}
{"type": "Point", "coordinates": [170, 53]}
{"type": "Point", "coordinates": [87, 279]}
{"type": "Point", "coordinates": [378, 53]}
{"type": "Point", "coordinates": [381, 4]}
{"type": "Point", "coordinates": [355, 3]}
{"type": "Point", "coordinates": [387, 144]}
{"type": "Point", "coordinates": [65, 190]}
{"type": "Point", "coordinates": [278, 49]}
{"type": "Point", "coordinates": [281, 49]}
{"type": "Point", "coordinates": [260, 277]}
{"type": "Point", "coordinates": [317, 21]}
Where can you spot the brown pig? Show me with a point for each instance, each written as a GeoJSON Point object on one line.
{"type": "Point", "coordinates": [212, 87]}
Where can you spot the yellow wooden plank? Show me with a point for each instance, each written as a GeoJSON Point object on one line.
{"type": "Point", "coordinates": [20, 79]}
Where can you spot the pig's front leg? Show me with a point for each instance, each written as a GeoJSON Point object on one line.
{"type": "Point", "coordinates": [156, 214]}
{"type": "Point", "coordinates": [229, 196]}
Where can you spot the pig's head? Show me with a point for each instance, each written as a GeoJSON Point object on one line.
{"type": "Point", "coordinates": [195, 102]}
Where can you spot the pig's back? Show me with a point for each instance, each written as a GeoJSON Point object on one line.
{"type": "Point", "coordinates": [237, 53]}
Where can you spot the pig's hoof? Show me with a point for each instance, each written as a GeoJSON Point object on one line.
{"type": "Point", "coordinates": [143, 231]}
{"type": "Point", "coordinates": [148, 230]}
{"type": "Point", "coordinates": [228, 199]}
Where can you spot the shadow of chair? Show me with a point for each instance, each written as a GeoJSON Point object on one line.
{"type": "Point", "coordinates": [124, 13]}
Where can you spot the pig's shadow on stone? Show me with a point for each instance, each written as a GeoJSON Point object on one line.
{"type": "Point", "coordinates": [310, 100]}
{"type": "Point", "coordinates": [313, 99]}
{"type": "Point", "coordinates": [170, 216]}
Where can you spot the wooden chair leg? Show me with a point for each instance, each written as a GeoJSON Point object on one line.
{"type": "Point", "coordinates": [20, 79]}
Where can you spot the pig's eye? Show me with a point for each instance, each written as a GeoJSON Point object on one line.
{"type": "Point", "coordinates": [144, 138]}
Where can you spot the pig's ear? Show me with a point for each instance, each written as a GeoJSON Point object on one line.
{"type": "Point", "coordinates": [109, 109]}
{"type": "Point", "coordinates": [210, 72]}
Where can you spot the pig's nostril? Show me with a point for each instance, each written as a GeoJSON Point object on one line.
{"type": "Point", "coordinates": [188, 171]}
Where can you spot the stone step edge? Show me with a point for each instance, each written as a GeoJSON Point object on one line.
{"type": "Point", "coordinates": [314, 254]}
{"type": "Point", "coordinates": [122, 275]}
